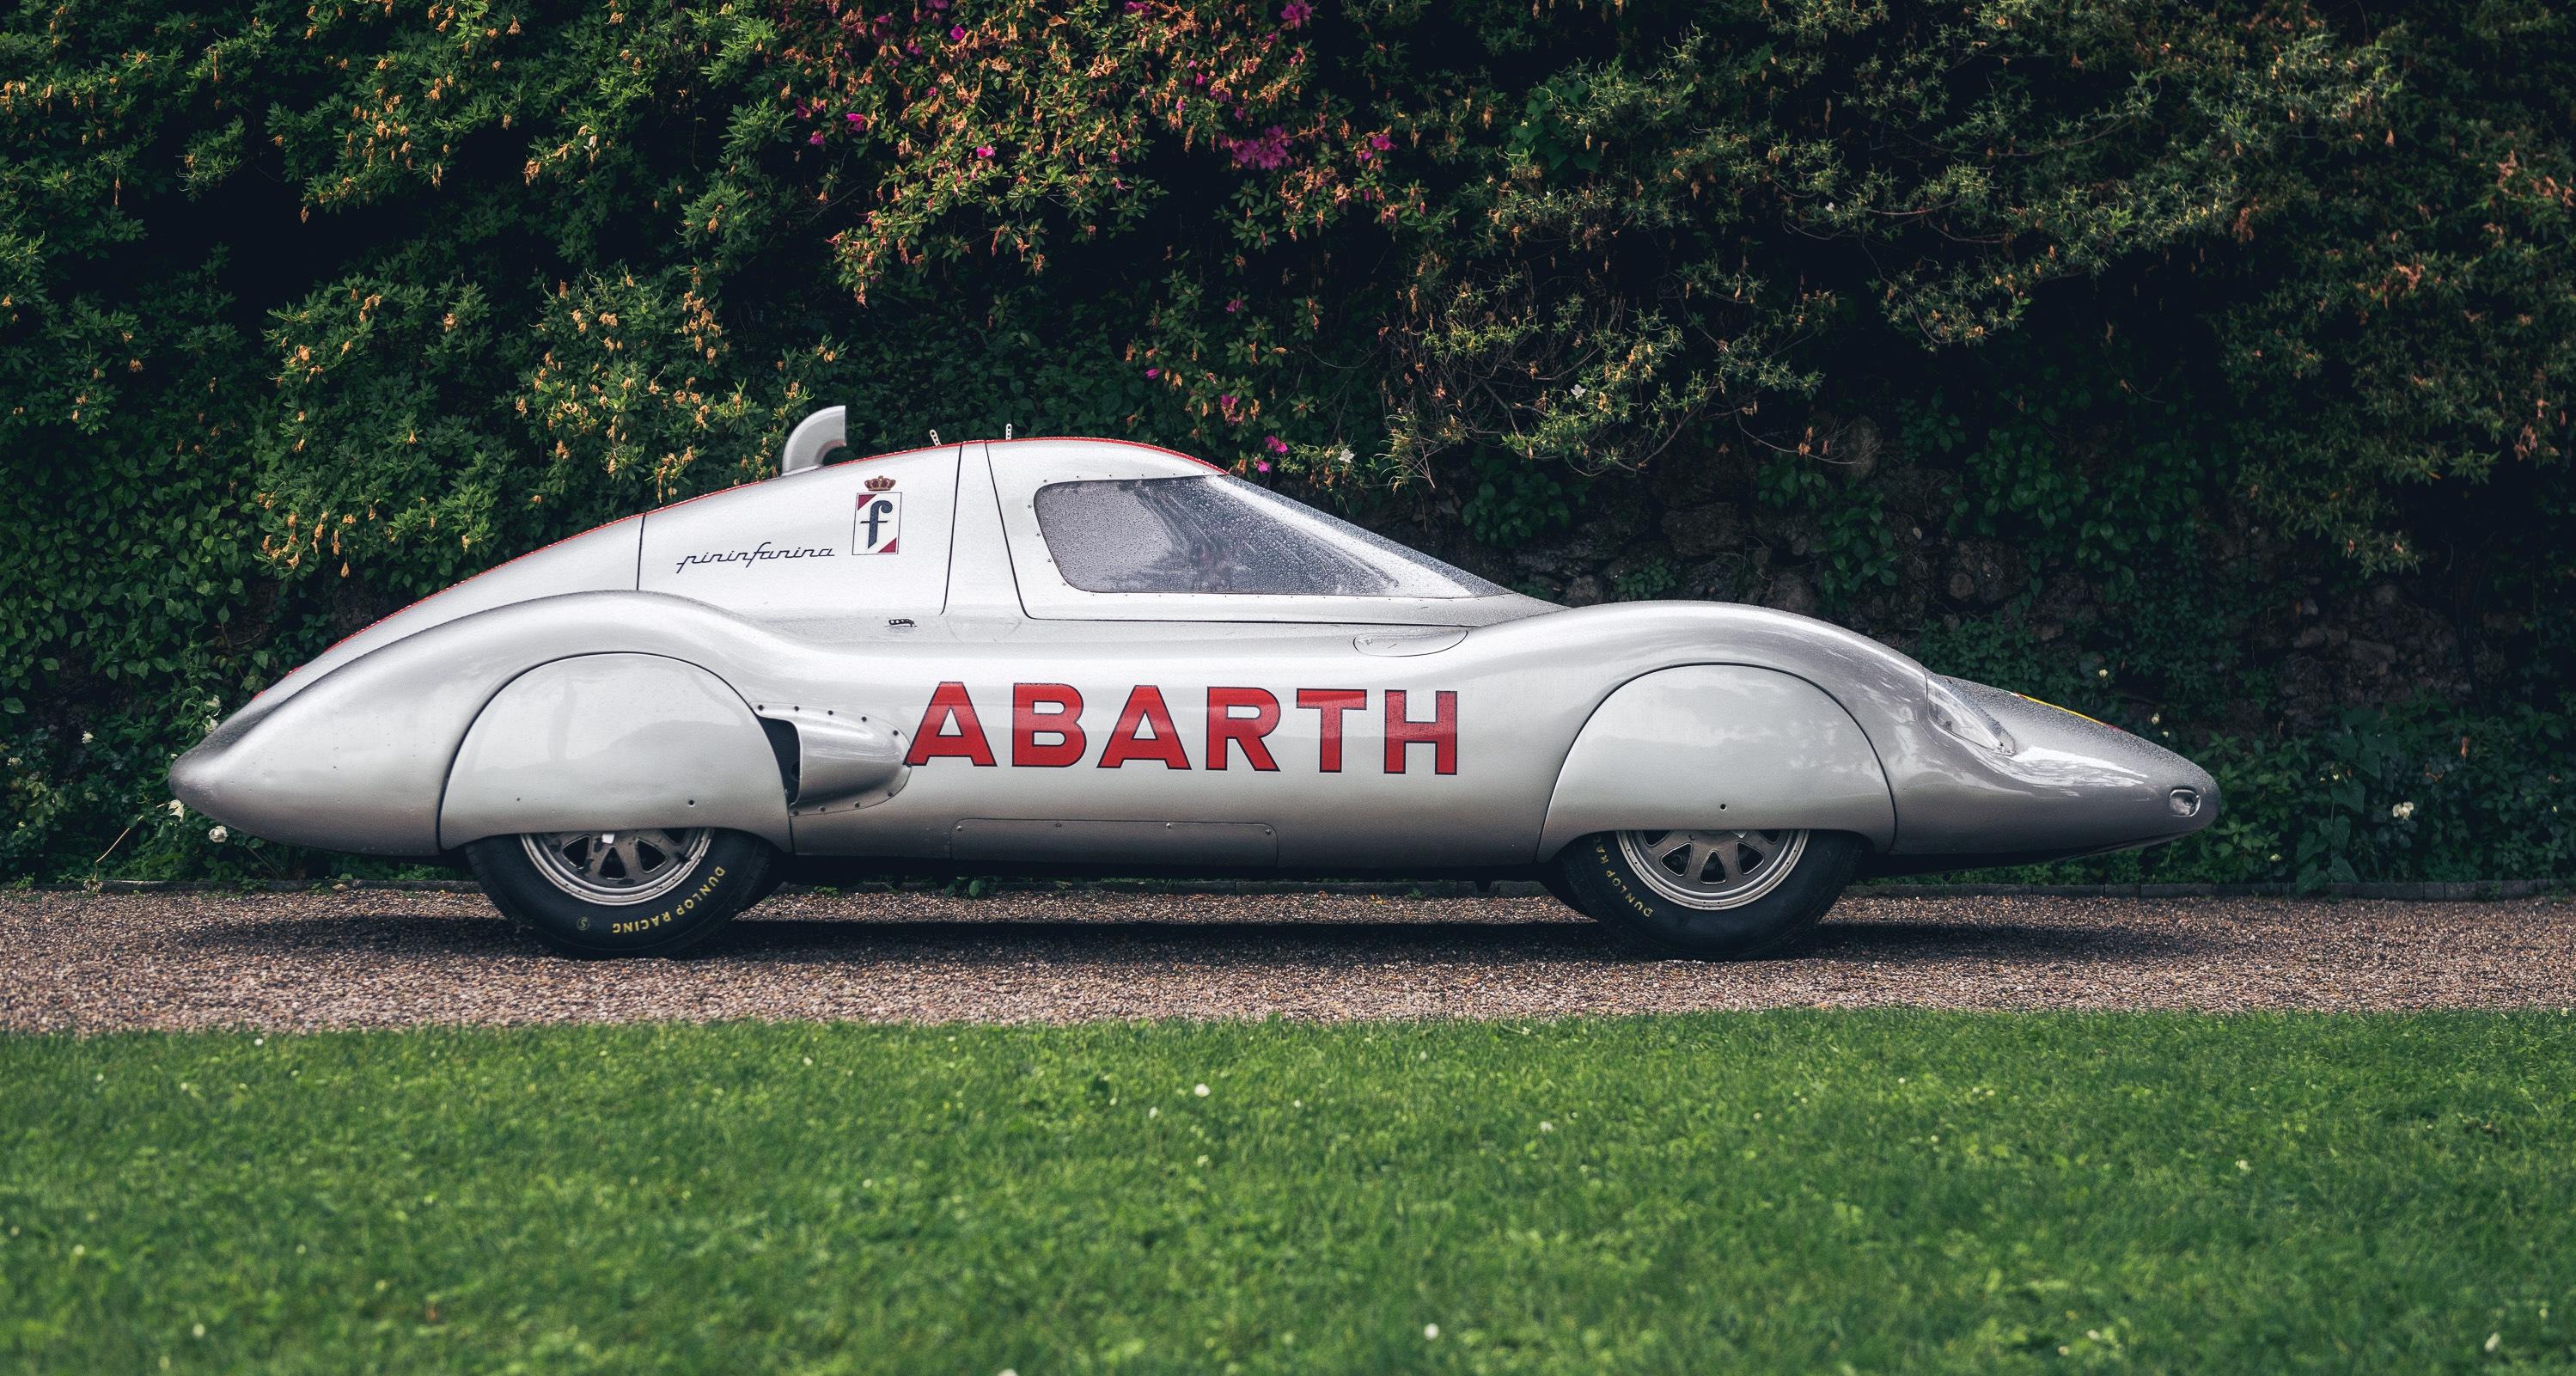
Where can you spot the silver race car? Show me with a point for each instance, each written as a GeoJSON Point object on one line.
{"type": "Point", "coordinates": [1097, 656]}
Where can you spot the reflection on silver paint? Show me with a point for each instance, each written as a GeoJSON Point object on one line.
{"type": "Point", "coordinates": [1639, 716]}
{"type": "Point", "coordinates": [1215, 844]}
{"type": "Point", "coordinates": [613, 742]}
{"type": "Point", "coordinates": [1705, 747]}
{"type": "Point", "coordinates": [594, 560]}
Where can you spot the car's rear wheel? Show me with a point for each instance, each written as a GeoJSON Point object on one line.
{"type": "Point", "coordinates": [1718, 895]}
{"type": "Point", "coordinates": [643, 892]}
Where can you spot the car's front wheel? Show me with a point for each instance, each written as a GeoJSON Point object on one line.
{"type": "Point", "coordinates": [644, 892]}
{"type": "Point", "coordinates": [1718, 895]}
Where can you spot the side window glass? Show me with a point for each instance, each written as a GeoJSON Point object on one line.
{"type": "Point", "coordinates": [1218, 534]}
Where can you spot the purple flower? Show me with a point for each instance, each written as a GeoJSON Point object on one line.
{"type": "Point", "coordinates": [818, 138]}
{"type": "Point", "coordinates": [1381, 142]}
{"type": "Point", "coordinates": [1226, 401]}
{"type": "Point", "coordinates": [1153, 372]}
{"type": "Point", "coordinates": [1135, 6]}
{"type": "Point", "coordinates": [1275, 445]}
{"type": "Point", "coordinates": [1234, 305]}
{"type": "Point", "coordinates": [956, 33]}
{"type": "Point", "coordinates": [1267, 151]}
{"type": "Point", "coordinates": [1296, 13]}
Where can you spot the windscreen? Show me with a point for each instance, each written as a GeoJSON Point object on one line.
{"type": "Point", "coordinates": [1218, 534]}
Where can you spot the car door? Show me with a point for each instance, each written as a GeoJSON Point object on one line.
{"type": "Point", "coordinates": [1209, 674]}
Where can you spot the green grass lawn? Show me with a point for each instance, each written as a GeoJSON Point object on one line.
{"type": "Point", "coordinates": [1808, 1191]}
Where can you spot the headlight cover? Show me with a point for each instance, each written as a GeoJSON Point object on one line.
{"type": "Point", "coordinates": [1957, 713]}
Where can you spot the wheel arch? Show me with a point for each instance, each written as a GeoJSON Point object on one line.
{"type": "Point", "coordinates": [1710, 746]}
{"type": "Point", "coordinates": [613, 739]}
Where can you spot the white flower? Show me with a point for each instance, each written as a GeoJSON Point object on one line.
{"type": "Point", "coordinates": [1346, 455]}
{"type": "Point", "coordinates": [2402, 811]}
{"type": "Point", "coordinates": [1201, 1091]}
{"type": "Point", "coordinates": [1431, 1330]}
{"type": "Point", "coordinates": [177, 808]}
{"type": "Point", "coordinates": [2155, 719]}
{"type": "Point", "coordinates": [2101, 673]}
{"type": "Point", "coordinates": [219, 835]}
{"type": "Point", "coordinates": [1578, 389]}
{"type": "Point", "coordinates": [2275, 857]}
{"type": "Point", "coordinates": [86, 738]}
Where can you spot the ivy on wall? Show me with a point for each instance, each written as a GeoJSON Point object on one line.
{"type": "Point", "coordinates": [2120, 347]}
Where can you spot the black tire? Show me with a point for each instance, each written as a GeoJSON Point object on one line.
{"type": "Point", "coordinates": [769, 884]}
{"type": "Point", "coordinates": [1608, 885]}
{"type": "Point", "coordinates": [723, 880]}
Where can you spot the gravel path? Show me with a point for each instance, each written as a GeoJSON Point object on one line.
{"type": "Point", "coordinates": [379, 958]}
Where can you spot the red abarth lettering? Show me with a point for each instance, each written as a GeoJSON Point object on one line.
{"type": "Point", "coordinates": [950, 707]}
{"type": "Point", "coordinates": [1046, 728]}
{"type": "Point", "coordinates": [1223, 727]}
{"type": "Point", "coordinates": [1329, 704]}
{"type": "Point", "coordinates": [1127, 740]}
{"type": "Point", "coordinates": [1062, 706]}
{"type": "Point", "coordinates": [1440, 732]}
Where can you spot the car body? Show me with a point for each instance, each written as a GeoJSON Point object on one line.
{"type": "Point", "coordinates": [1107, 656]}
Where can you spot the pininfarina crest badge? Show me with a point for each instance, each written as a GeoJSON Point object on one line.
{"type": "Point", "coordinates": [880, 521]}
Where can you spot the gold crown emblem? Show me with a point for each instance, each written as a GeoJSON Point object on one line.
{"type": "Point", "coordinates": [880, 483]}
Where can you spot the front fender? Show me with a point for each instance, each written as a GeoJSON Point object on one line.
{"type": "Point", "coordinates": [1719, 746]}
{"type": "Point", "coordinates": [612, 742]}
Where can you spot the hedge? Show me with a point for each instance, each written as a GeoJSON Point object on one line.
{"type": "Point", "coordinates": [2200, 364]}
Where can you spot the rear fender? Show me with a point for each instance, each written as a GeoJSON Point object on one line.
{"type": "Point", "coordinates": [610, 742]}
{"type": "Point", "coordinates": [1719, 746]}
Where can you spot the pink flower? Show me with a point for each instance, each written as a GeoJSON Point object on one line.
{"type": "Point", "coordinates": [984, 150]}
{"type": "Point", "coordinates": [1381, 142]}
{"type": "Point", "coordinates": [1153, 372]}
{"type": "Point", "coordinates": [1275, 445]}
{"type": "Point", "coordinates": [956, 33]}
{"type": "Point", "coordinates": [1234, 305]}
{"type": "Point", "coordinates": [1296, 13]}
{"type": "Point", "coordinates": [1268, 150]}
{"type": "Point", "coordinates": [855, 117]}
{"type": "Point", "coordinates": [1263, 466]}
{"type": "Point", "coordinates": [818, 138]}
{"type": "Point", "coordinates": [1135, 6]}
{"type": "Point", "coordinates": [1226, 401]}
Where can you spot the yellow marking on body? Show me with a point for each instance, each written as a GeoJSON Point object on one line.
{"type": "Point", "coordinates": [2097, 721]}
